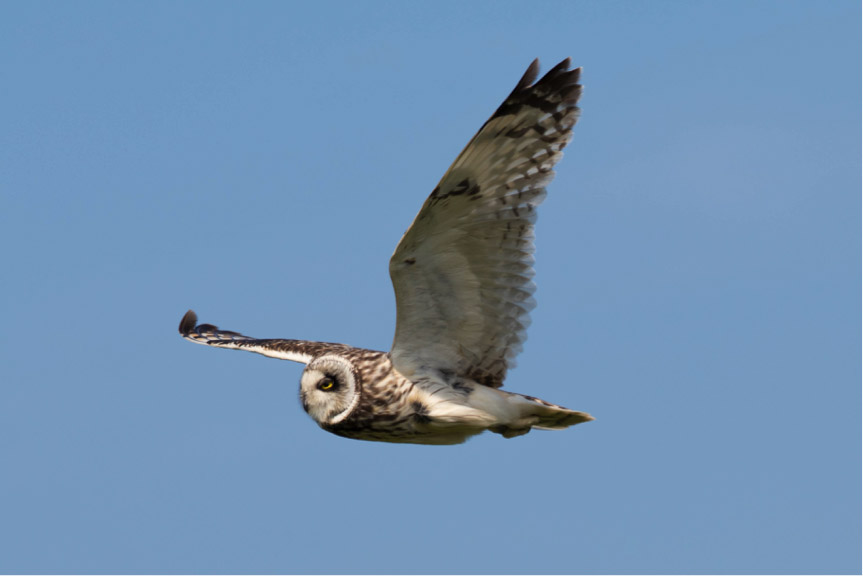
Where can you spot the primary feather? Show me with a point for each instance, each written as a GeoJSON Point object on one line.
{"type": "Point", "coordinates": [463, 271]}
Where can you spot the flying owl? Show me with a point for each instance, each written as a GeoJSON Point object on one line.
{"type": "Point", "coordinates": [462, 278]}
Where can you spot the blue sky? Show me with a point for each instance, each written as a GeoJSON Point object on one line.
{"type": "Point", "coordinates": [698, 271]}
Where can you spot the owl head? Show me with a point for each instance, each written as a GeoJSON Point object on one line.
{"type": "Point", "coordinates": [329, 389]}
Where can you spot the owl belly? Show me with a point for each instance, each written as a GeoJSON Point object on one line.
{"type": "Point", "coordinates": [429, 410]}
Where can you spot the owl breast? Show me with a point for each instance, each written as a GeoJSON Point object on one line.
{"type": "Point", "coordinates": [430, 409]}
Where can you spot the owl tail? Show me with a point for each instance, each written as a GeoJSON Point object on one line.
{"type": "Point", "coordinates": [551, 416]}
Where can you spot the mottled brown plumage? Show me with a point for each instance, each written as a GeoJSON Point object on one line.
{"type": "Point", "coordinates": [462, 275]}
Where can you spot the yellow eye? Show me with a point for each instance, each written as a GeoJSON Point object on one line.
{"type": "Point", "coordinates": [326, 384]}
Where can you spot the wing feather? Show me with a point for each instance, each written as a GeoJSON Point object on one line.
{"type": "Point", "coordinates": [462, 272]}
{"type": "Point", "coordinates": [294, 350]}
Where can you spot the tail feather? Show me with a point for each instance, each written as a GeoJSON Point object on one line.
{"type": "Point", "coordinates": [551, 416]}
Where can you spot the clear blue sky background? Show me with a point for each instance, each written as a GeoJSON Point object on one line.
{"type": "Point", "coordinates": [698, 269]}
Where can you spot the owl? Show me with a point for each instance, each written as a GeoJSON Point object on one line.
{"type": "Point", "coordinates": [462, 275]}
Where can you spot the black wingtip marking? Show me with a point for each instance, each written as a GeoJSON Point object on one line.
{"type": "Point", "coordinates": [559, 80]}
{"type": "Point", "coordinates": [187, 324]}
{"type": "Point", "coordinates": [528, 78]}
{"type": "Point", "coordinates": [563, 66]}
{"type": "Point", "coordinates": [208, 333]}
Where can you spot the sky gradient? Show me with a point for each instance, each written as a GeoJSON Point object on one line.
{"type": "Point", "coordinates": [698, 272]}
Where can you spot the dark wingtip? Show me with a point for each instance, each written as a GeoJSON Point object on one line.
{"type": "Point", "coordinates": [558, 78]}
{"type": "Point", "coordinates": [187, 324]}
{"type": "Point", "coordinates": [529, 76]}
{"type": "Point", "coordinates": [561, 74]}
{"type": "Point", "coordinates": [562, 66]}
{"type": "Point", "coordinates": [560, 81]}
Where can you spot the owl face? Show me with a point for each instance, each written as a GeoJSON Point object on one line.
{"type": "Point", "coordinates": [328, 389]}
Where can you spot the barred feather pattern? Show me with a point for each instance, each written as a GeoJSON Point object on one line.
{"type": "Point", "coordinates": [462, 273]}
{"type": "Point", "coordinates": [462, 276]}
{"type": "Point", "coordinates": [294, 350]}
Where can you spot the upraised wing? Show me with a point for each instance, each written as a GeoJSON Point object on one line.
{"type": "Point", "coordinates": [462, 272]}
{"type": "Point", "coordinates": [294, 350]}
